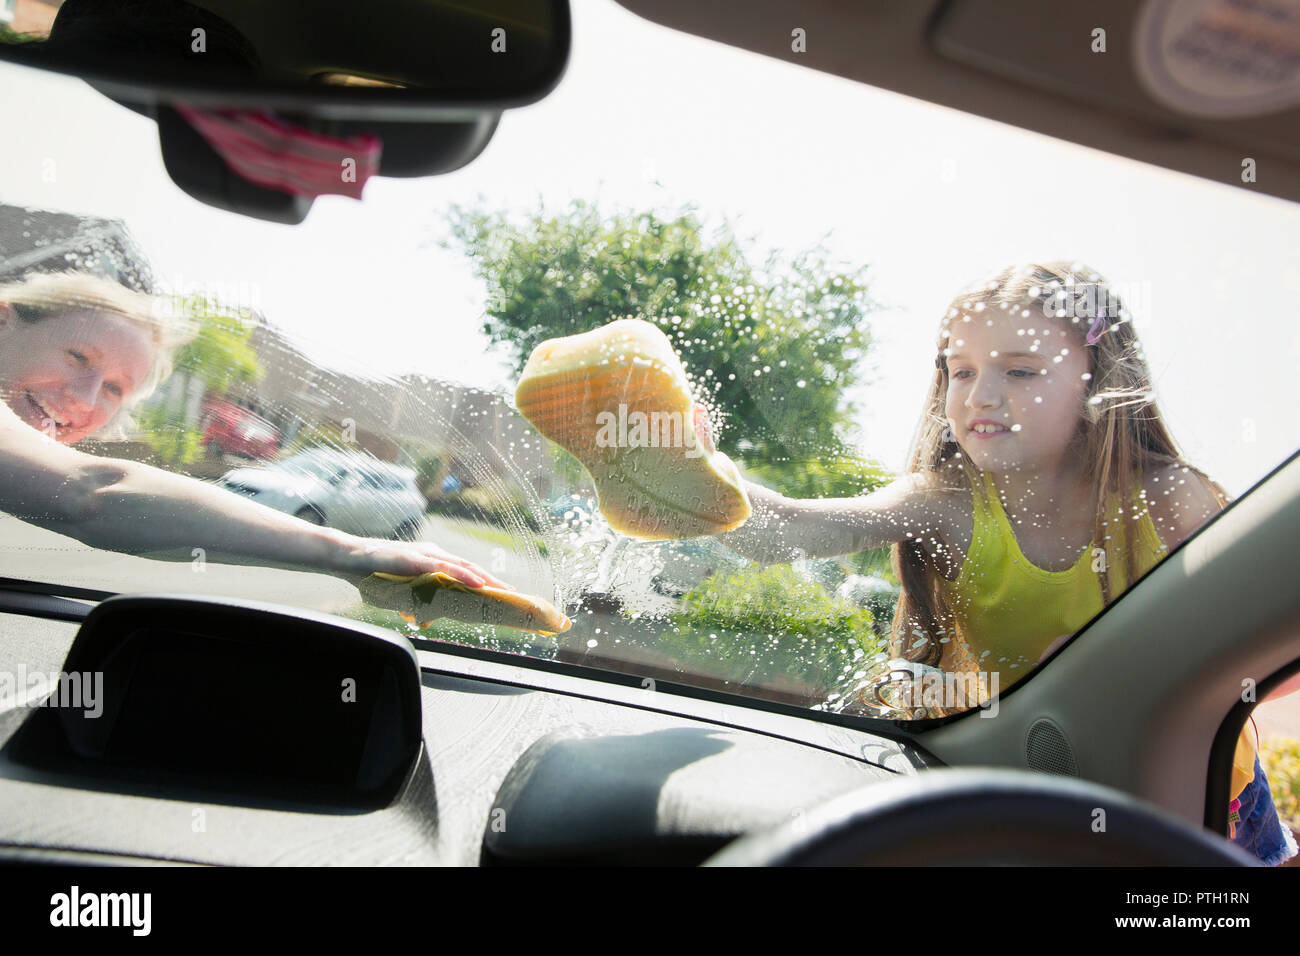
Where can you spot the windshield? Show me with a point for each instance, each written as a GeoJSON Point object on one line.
{"type": "Point", "coordinates": [943, 329]}
{"type": "Point", "coordinates": [313, 465]}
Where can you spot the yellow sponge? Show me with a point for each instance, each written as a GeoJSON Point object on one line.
{"type": "Point", "coordinates": [425, 597]}
{"type": "Point", "coordinates": [618, 400]}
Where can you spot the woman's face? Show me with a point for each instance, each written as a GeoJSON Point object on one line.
{"type": "Point", "coordinates": [1027, 375]}
{"type": "Point", "coordinates": [69, 373]}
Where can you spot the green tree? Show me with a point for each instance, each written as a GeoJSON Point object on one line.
{"type": "Point", "coordinates": [771, 349]}
{"type": "Point", "coordinates": [829, 476]}
{"type": "Point", "coordinates": [221, 354]}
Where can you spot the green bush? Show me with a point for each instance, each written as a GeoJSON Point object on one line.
{"type": "Point", "coordinates": [174, 444]}
{"type": "Point", "coordinates": [1280, 758]}
{"type": "Point", "coordinates": [876, 561]}
{"type": "Point", "coordinates": [761, 624]}
{"type": "Point", "coordinates": [9, 35]}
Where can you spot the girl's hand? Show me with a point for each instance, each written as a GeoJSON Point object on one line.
{"type": "Point", "coordinates": [703, 428]}
{"type": "Point", "coordinates": [355, 558]}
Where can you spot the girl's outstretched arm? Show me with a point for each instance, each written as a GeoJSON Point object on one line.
{"type": "Point", "coordinates": [785, 529]}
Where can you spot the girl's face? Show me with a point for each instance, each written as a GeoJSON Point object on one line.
{"type": "Point", "coordinates": [69, 373]}
{"type": "Point", "coordinates": [1025, 377]}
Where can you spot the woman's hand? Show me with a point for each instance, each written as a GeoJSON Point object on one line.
{"type": "Point", "coordinates": [355, 558]}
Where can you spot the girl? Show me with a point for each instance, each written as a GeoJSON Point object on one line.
{"type": "Point", "coordinates": [77, 352]}
{"type": "Point", "coordinates": [1041, 483]}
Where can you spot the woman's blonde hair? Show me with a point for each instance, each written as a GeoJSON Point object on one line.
{"type": "Point", "coordinates": [1121, 433]}
{"type": "Point", "coordinates": [168, 325]}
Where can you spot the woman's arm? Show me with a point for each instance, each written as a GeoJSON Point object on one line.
{"type": "Point", "coordinates": [785, 529]}
{"type": "Point", "coordinates": [133, 508]}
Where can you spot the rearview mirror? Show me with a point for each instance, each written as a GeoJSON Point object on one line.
{"type": "Point", "coordinates": [303, 54]}
{"type": "Point", "coordinates": [264, 105]}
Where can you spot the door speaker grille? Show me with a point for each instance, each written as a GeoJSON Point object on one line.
{"type": "Point", "coordinates": [1048, 751]}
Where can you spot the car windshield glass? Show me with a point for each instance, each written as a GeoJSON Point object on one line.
{"type": "Point", "coordinates": [312, 465]}
{"type": "Point", "coordinates": [895, 392]}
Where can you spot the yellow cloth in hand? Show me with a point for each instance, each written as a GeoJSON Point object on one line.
{"type": "Point", "coordinates": [426, 597]}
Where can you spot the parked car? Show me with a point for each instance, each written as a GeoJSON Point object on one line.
{"type": "Point", "coordinates": [353, 492]}
{"type": "Point", "coordinates": [232, 429]}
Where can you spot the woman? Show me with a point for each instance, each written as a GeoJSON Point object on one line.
{"type": "Point", "coordinates": [77, 352]}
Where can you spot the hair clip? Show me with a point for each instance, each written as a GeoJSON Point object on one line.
{"type": "Point", "coordinates": [1098, 328]}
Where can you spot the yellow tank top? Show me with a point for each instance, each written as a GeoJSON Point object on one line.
{"type": "Point", "coordinates": [1008, 611]}
{"type": "Point", "coordinates": [1243, 764]}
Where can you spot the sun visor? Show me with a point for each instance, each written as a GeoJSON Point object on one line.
{"type": "Point", "coordinates": [1227, 70]}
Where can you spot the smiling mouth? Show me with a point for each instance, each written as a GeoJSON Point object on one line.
{"type": "Point", "coordinates": [43, 412]}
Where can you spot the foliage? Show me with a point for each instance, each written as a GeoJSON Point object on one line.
{"type": "Point", "coordinates": [1280, 758]}
{"type": "Point", "coordinates": [873, 562]}
{"type": "Point", "coordinates": [222, 352]}
{"type": "Point", "coordinates": [571, 473]}
{"type": "Point", "coordinates": [772, 350]}
{"type": "Point", "coordinates": [830, 476]}
{"type": "Point", "coordinates": [171, 441]}
{"type": "Point", "coordinates": [430, 470]}
{"type": "Point", "coordinates": [766, 623]}
{"type": "Point", "coordinates": [9, 35]}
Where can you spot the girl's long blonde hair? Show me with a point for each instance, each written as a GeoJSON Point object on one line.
{"type": "Point", "coordinates": [1121, 433]}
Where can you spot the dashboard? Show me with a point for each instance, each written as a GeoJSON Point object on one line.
{"type": "Point", "coordinates": [516, 765]}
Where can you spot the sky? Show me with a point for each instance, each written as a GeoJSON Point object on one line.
{"type": "Point", "coordinates": [928, 198]}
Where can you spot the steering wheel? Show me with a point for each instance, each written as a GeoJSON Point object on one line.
{"type": "Point", "coordinates": [976, 817]}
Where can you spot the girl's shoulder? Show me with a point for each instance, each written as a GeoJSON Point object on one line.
{"type": "Point", "coordinates": [1181, 499]}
